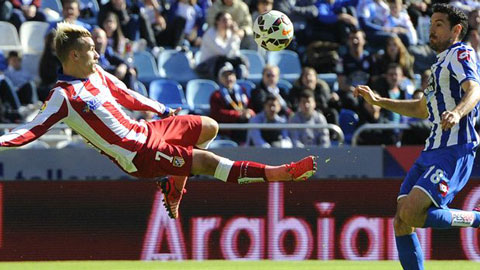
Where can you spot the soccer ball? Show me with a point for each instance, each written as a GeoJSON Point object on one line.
{"type": "Point", "coordinates": [273, 30]}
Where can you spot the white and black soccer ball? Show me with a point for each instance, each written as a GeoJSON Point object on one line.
{"type": "Point", "coordinates": [273, 30]}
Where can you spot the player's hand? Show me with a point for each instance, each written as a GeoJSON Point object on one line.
{"type": "Point", "coordinates": [366, 93]}
{"type": "Point", "coordinates": [449, 119]}
{"type": "Point", "coordinates": [175, 112]}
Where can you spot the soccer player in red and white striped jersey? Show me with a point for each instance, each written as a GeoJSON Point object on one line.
{"type": "Point", "coordinates": [90, 101]}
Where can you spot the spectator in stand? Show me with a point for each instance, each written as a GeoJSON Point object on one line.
{"type": "Point", "coordinates": [269, 86]}
{"type": "Point", "coordinates": [22, 80]}
{"type": "Point", "coordinates": [373, 114]}
{"type": "Point", "coordinates": [132, 20]}
{"type": "Point", "coordinates": [26, 10]}
{"type": "Point", "coordinates": [356, 68]}
{"type": "Point", "coordinates": [300, 13]}
{"type": "Point", "coordinates": [48, 68]}
{"type": "Point", "coordinates": [116, 39]}
{"type": "Point", "coordinates": [270, 137]}
{"type": "Point", "coordinates": [262, 7]}
{"type": "Point", "coordinates": [389, 86]}
{"type": "Point", "coordinates": [8, 107]}
{"type": "Point", "coordinates": [372, 16]}
{"type": "Point", "coordinates": [229, 104]}
{"type": "Point", "coordinates": [70, 12]}
{"type": "Point", "coordinates": [240, 15]}
{"type": "Point", "coordinates": [394, 52]}
{"type": "Point", "coordinates": [326, 101]}
{"type": "Point", "coordinates": [334, 21]}
{"type": "Point", "coordinates": [307, 114]}
{"type": "Point", "coordinates": [110, 61]}
{"type": "Point", "coordinates": [221, 43]}
{"type": "Point", "coordinates": [189, 14]}
{"type": "Point", "coordinates": [399, 22]}
{"type": "Point", "coordinates": [419, 129]}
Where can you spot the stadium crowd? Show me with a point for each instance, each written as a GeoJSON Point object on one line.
{"type": "Point", "coordinates": [383, 44]}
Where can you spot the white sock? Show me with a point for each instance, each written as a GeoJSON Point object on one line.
{"type": "Point", "coordinates": [223, 169]}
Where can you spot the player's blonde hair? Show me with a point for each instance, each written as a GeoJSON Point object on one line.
{"type": "Point", "coordinates": [67, 38]}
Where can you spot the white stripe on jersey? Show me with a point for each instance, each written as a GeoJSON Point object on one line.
{"type": "Point", "coordinates": [93, 108]}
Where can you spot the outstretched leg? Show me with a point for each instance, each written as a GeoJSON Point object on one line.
{"type": "Point", "coordinates": [242, 172]}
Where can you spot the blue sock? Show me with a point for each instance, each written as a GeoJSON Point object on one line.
{"type": "Point", "coordinates": [409, 252]}
{"type": "Point", "coordinates": [439, 218]}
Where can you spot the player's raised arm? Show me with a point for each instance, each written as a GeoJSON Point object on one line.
{"type": "Point", "coordinates": [53, 111]}
{"type": "Point", "coordinates": [412, 108]}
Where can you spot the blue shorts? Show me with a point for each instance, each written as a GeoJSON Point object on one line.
{"type": "Point", "coordinates": [441, 173]}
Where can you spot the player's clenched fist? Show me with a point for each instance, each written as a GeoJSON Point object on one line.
{"type": "Point", "coordinates": [449, 119]}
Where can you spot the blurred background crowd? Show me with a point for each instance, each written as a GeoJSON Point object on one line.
{"type": "Point", "coordinates": [201, 55]}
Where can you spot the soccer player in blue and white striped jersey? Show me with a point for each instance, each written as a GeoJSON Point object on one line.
{"type": "Point", "coordinates": [444, 167]}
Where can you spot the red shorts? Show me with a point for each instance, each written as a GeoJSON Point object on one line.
{"type": "Point", "coordinates": [168, 150]}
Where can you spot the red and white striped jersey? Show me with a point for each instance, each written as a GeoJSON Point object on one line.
{"type": "Point", "coordinates": [92, 107]}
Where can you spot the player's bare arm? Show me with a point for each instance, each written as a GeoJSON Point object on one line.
{"type": "Point", "coordinates": [468, 102]}
{"type": "Point", "coordinates": [412, 108]}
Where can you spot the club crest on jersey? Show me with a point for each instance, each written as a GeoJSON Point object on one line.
{"type": "Point", "coordinates": [463, 55]}
{"type": "Point", "coordinates": [43, 106]}
{"type": "Point", "coordinates": [443, 188]}
{"type": "Point", "coordinates": [178, 161]}
{"type": "Point", "coordinates": [92, 105]}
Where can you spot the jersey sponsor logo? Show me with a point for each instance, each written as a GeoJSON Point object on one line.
{"type": "Point", "coordinates": [462, 218]}
{"type": "Point", "coordinates": [463, 55]}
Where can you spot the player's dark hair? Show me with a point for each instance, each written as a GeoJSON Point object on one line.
{"type": "Point", "coordinates": [455, 16]}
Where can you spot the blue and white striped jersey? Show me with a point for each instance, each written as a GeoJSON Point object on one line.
{"type": "Point", "coordinates": [455, 65]}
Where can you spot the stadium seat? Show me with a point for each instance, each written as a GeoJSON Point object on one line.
{"type": "Point", "coordinates": [198, 94]}
{"type": "Point", "coordinates": [168, 92]}
{"type": "Point", "coordinates": [140, 88]}
{"type": "Point", "coordinates": [146, 67]}
{"type": "Point", "coordinates": [285, 85]}
{"type": "Point", "coordinates": [255, 65]}
{"type": "Point", "coordinates": [288, 62]}
{"type": "Point", "coordinates": [348, 121]}
{"type": "Point", "coordinates": [248, 85]}
{"type": "Point", "coordinates": [175, 65]}
{"type": "Point", "coordinates": [54, 5]}
{"type": "Point", "coordinates": [32, 36]}
{"type": "Point", "coordinates": [10, 40]}
{"type": "Point", "coordinates": [331, 79]}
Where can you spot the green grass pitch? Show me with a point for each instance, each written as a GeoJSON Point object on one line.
{"type": "Point", "coordinates": [232, 265]}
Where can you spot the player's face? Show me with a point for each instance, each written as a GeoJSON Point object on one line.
{"type": "Point", "coordinates": [87, 57]}
{"type": "Point", "coordinates": [441, 32]}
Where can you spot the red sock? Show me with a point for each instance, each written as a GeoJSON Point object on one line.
{"type": "Point", "coordinates": [246, 169]}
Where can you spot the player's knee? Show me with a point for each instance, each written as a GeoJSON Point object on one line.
{"type": "Point", "coordinates": [400, 227]}
{"type": "Point", "coordinates": [410, 215]}
{"type": "Point", "coordinates": [209, 126]}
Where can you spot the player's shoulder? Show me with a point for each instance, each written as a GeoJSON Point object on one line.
{"type": "Point", "coordinates": [463, 52]}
